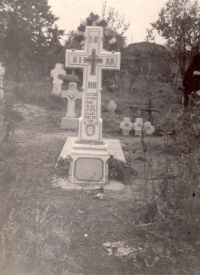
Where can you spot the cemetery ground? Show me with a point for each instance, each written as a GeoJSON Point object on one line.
{"type": "Point", "coordinates": [145, 221]}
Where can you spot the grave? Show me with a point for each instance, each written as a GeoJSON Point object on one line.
{"type": "Point", "coordinates": [89, 152]}
{"type": "Point", "coordinates": [2, 71]}
{"type": "Point", "coordinates": [148, 128]}
{"type": "Point", "coordinates": [70, 122]}
{"type": "Point", "coordinates": [137, 126]}
{"type": "Point", "coordinates": [126, 125]}
{"type": "Point", "coordinates": [57, 82]}
{"type": "Point", "coordinates": [111, 106]}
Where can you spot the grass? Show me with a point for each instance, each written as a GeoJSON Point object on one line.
{"type": "Point", "coordinates": [46, 230]}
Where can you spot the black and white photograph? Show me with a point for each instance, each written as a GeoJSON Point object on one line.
{"type": "Point", "coordinates": [99, 137]}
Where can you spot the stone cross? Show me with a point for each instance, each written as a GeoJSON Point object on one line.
{"type": "Point", "coordinates": [137, 126]}
{"type": "Point", "coordinates": [126, 125]}
{"type": "Point", "coordinates": [92, 60]}
{"type": "Point", "coordinates": [71, 94]}
{"type": "Point", "coordinates": [148, 128]}
{"type": "Point", "coordinates": [57, 82]}
{"type": "Point", "coordinates": [89, 152]}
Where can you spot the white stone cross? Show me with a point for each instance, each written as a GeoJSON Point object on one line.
{"type": "Point", "coordinates": [71, 94]}
{"type": "Point", "coordinates": [57, 82]}
{"type": "Point", "coordinates": [148, 128]}
{"type": "Point", "coordinates": [92, 60]}
{"type": "Point", "coordinates": [126, 125]}
{"type": "Point", "coordinates": [137, 126]}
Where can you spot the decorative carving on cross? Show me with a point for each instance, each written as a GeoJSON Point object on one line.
{"type": "Point", "coordinates": [93, 60]}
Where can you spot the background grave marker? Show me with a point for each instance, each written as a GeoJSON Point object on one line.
{"type": "Point", "coordinates": [70, 121]}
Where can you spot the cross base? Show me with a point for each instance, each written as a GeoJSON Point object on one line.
{"type": "Point", "coordinates": [57, 88]}
{"type": "Point", "coordinates": [89, 163]}
{"type": "Point", "coordinates": [90, 159]}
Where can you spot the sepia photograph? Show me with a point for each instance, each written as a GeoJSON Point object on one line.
{"type": "Point", "coordinates": [99, 137]}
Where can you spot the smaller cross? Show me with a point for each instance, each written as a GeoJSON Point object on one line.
{"type": "Point", "coordinates": [126, 125]}
{"type": "Point", "coordinates": [71, 94]}
{"type": "Point", "coordinates": [93, 60]}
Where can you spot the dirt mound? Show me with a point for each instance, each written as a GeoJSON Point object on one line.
{"type": "Point", "coordinates": [29, 111]}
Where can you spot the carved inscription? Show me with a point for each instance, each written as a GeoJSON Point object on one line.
{"type": "Point", "coordinates": [91, 104]}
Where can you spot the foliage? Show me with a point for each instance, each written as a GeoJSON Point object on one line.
{"type": "Point", "coordinates": [29, 38]}
{"type": "Point", "coordinates": [114, 29]}
{"type": "Point", "coordinates": [8, 118]}
{"type": "Point", "coordinates": [63, 165]}
{"type": "Point", "coordinates": [145, 59]}
{"type": "Point", "coordinates": [120, 170]}
{"type": "Point", "coordinates": [179, 24]}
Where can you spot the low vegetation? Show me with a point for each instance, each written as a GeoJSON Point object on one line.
{"type": "Point", "coordinates": [47, 230]}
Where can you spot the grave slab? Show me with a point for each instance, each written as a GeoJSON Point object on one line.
{"type": "Point", "coordinates": [114, 148]}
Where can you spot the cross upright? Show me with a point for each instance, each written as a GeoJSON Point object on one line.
{"type": "Point", "coordinates": [149, 109]}
{"type": "Point", "coordinates": [93, 59]}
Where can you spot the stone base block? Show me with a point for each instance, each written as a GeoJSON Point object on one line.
{"type": "Point", "coordinates": [69, 123]}
{"type": "Point", "coordinates": [86, 169]}
{"type": "Point", "coordinates": [90, 160]}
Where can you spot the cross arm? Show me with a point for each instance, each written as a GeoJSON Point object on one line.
{"type": "Point", "coordinates": [196, 73]}
{"type": "Point", "coordinates": [152, 110]}
{"type": "Point", "coordinates": [69, 77]}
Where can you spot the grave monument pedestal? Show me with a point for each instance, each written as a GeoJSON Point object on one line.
{"type": "Point", "coordinates": [89, 162]}
{"type": "Point", "coordinates": [89, 151]}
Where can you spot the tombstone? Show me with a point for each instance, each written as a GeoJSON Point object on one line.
{"type": "Point", "coordinates": [70, 122]}
{"type": "Point", "coordinates": [111, 106]}
{"type": "Point", "coordinates": [148, 128]}
{"type": "Point", "coordinates": [126, 125]}
{"type": "Point", "coordinates": [89, 151]}
{"type": "Point", "coordinates": [2, 71]}
{"type": "Point", "coordinates": [57, 82]}
{"type": "Point", "coordinates": [137, 126]}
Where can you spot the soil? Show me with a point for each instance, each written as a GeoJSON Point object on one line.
{"type": "Point", "coordinates": [89, 221]}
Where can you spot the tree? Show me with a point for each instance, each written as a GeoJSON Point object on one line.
{"type": "Point", "coordinates": [28, 35]}
{"type": "Point", "coordinates": [179, 24]}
